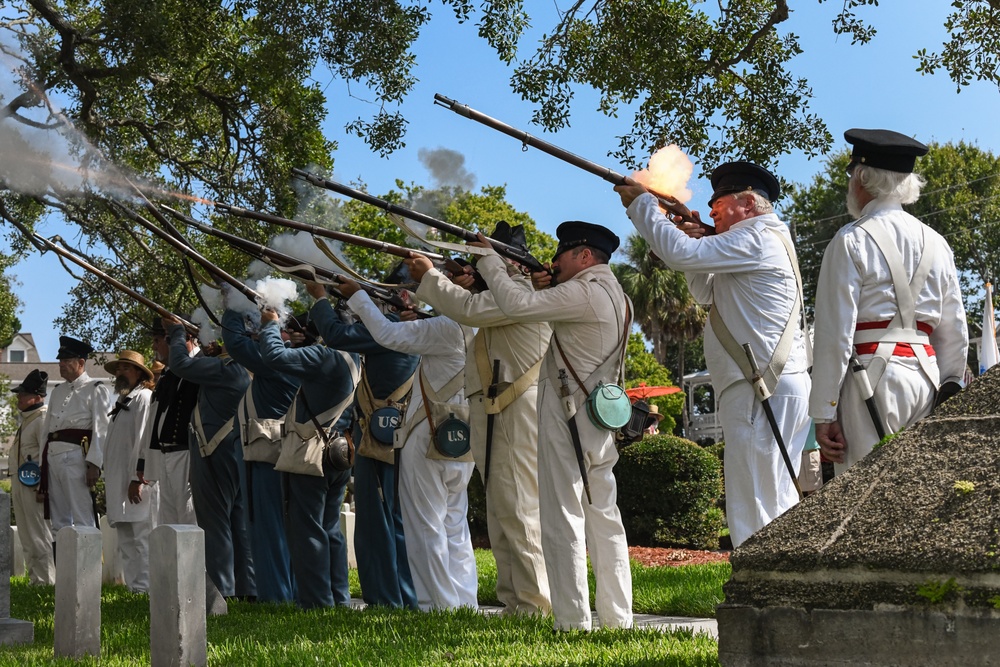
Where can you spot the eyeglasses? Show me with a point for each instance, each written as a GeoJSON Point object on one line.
{"type": "Point", "coordinates": [851, 167]}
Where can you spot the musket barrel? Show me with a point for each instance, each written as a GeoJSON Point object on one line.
{"type": "Point", "coordinates": [120, 286]}
{"type": "Point", "coordinates": [674, 206]}
{"type": "Point", "coordinates": [316, 230]}
{"type": "Point", "coordinates": [504, 249]}
{"type": "Point", "coordinates": [285, 262]}
{"type": "Point", "coordinates": [191, 253]}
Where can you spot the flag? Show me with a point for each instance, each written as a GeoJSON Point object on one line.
{"type": "Point", "coordinates": [988, 355]}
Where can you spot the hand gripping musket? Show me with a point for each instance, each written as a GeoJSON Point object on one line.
{"type": "Point", "coordinates": [292, 265]}
{"type": "Point", "coordinates": [43, 244]}
{"type": "Point", "coordinates": [762, 392]}
{"type": "Point", "coordinates": [671, 204]}
{"type": "Point", "coordinates": [513, 253]}
{"type": "Point", "coordinates": [185, 249]}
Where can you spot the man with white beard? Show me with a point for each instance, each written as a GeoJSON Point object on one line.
{"type": "Point", "coordinates": [888, 296]}
{"type": "Point", "coordinates": [131, 519]}
{"type": "Point", "coordinates": [748, 272]}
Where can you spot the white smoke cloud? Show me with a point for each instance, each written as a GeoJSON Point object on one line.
{"type": "Point", "coordinates": [206, 328]}
{"type": "Point", "coordinates": [275, 293]}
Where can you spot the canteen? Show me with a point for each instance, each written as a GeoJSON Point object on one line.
{"type": "Point", "coordinates": [452, 437]}
{"type": "Point", "coordinates": [609, 407]}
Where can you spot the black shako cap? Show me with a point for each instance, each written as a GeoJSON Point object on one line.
{"type": "Point", "coordinates": [36, 383]}
{"type": "Point", "coordinates": [740, 176]}
{"type": "Point", "coordinates": [884, 149]}
{"type": "Point", "coordinates": [573, 233]}
{"type": "Point", "coordinates": [71, 348]}
{"type": "Point", "coordinates": [512, 236]}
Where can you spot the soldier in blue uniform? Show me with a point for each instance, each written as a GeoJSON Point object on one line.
{"type": "Point", "coordinates": [259, 416]}
{"type": "Point", "coordinates": [217, 462]}
{"type": "Point", "coordinates": [378, 538]}
{"type": "Point", "coordinates": [314, 493]}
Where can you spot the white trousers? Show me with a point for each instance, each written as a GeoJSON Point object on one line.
{"type": "Point", "coordinates": [70, 503]}
{"type": "Point", "coordinates": [903, 395]}
{"type": "Point", "coordinates": [512, 514]}
{"type": "Point", "coordinates": [758, 486]}
{"type": "Point", "coordinates": [435, 507]}
{"type": "Point", "coordinates": [174, 482]}
{"type": "Point", "coordinates": [34, 532]}
{"type": "Point", "coordinates": [572, 527]}
{"type": "Point", "coordinates": [133, 548]}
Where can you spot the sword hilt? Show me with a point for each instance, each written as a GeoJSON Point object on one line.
{"type": "Point", "coordinates": [757, 380]}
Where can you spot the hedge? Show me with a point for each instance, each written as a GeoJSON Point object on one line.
{"type": "Point", "coordinates": [668, 489]}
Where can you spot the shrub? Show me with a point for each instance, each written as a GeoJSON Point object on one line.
{"type": "Point", "coordinates": [667, 493]}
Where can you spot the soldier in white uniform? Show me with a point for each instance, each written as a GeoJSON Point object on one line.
{"type": "Point", "coordinates": [590, 322]}
{"type": "Point", "coordinates": [131, 520]}
{"type": "Point", "coordinates": [508, 459]}
{"type": "Point", "coordinates": [888, 293]}
{"type": "Point", "coordinates": [747, 271]}
{"type": "Point", "coordinates": [76, 423]}
{"type": "Point", "coordinates": [432, 485]}
{"type": "Point", "coordinates": [32, 526]}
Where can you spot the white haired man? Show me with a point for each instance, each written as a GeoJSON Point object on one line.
{"type": "Point", "coordinates": [747, 271]}
{"type": "Point", "coordinates": [25, 453]}
{"type": "Point", "coordinates": [888, 296]}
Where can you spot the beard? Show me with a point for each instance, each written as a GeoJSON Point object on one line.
{"type": "Point", "coordinates": [122, 385]}
{"type": "Point", "coordinates": [853, 207]}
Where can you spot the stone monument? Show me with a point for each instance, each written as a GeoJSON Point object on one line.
{"type": "Point", "coordinates": [895, 562]}
{"type": "Point", "coordinates": [12, 631]}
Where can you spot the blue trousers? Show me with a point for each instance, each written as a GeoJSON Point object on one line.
{"type": "Point", "coordinates": [317, 546]}
{"type": "Point", "coordinates": [378, 537]}
{"type": "Point", "coordinates": [217, 481]}
{"type": "Point", "coordinates": [271, 563]}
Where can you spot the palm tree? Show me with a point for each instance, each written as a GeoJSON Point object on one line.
{"type": "Point", "coordinates": [664, 309]}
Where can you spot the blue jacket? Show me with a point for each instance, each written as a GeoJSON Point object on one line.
{"type": "Point", "coordinates": [324, 373]}
{"type": "Point", "coordinates": [223, 381]}
{"type": "Point", "coordinates": [272, 390]}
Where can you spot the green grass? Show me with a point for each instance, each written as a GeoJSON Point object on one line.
{"type": "Point", "coordinates": [260, 634]}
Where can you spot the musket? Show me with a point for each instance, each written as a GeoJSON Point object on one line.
{"type": "Point", "coordinates": [316, 230]}
{"type": "Point", "coordinates": [189, 252]}
{"type": "Point", "coordinates": [519, 255]}
{"type": "Point", "coordinates": [669, 203]}
{"type": "Point", "coordinates": [764, 394]}
{"type": "Point", "coordinates": [42, 243]}
{"type": "Point", "coordinates": [291, 265]}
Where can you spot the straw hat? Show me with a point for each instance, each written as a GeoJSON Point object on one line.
{"type": "Point", "coordinates": [129, 357]}
{"type": "Point", "coordinates": [654, 411]}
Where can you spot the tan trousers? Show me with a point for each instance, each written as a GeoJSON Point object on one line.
{"type": "Point", "coordinates": [512, 502]}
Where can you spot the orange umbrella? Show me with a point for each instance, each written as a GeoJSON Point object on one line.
{"type": "Point", "coordinates": [644, 391]}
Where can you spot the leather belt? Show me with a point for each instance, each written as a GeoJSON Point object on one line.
{"type": "Point", "coordinates": [901, 349]}
{"type": "Point", "coordinates": [71, 435]}
{"type": "Point", "coordinates": [170, 448]}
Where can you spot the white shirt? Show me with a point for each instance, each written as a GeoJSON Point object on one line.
{"type": "Point", "coordinates": [745, 272]}
{"type": "Point", "coordinates": [439, 341]}
{"type": "Point", "coordinates": [855, 286]}
{"type": "Point", "coordinates": [83, 403]}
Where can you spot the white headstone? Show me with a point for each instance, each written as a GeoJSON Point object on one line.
{"type": "Point", "coordinates": [177, 634]}
{"type": "Point", "coordinates": [77, 625]}
{"type": "Point", "coordinates": [12, 631]}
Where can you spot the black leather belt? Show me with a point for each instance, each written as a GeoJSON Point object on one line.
{"type": "Point", "coordinates": [170, 448]}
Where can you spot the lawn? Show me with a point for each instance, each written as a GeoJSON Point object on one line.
{"type": "Point", "coordinates": [261, 634]}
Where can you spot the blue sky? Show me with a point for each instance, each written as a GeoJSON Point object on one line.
{"type": "Point", "coordinates": [854, 86]}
